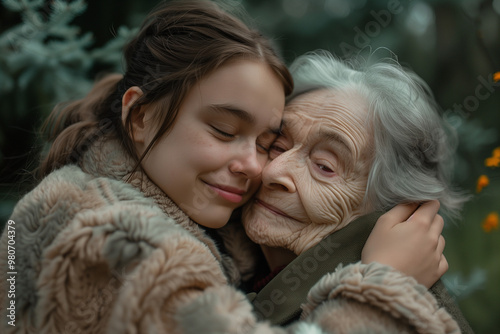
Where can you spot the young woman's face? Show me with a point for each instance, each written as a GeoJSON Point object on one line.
{"type": "Point", "coordinates": [211, 160]}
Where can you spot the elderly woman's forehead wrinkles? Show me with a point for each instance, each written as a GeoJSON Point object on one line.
{"type": "Point", "coordinates": [304, 112]}
{"type": "Point", "coordinates": [309, 114]}
{"type": "Point", "coordinates": [298, 123]}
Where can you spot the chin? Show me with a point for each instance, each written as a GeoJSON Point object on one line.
{"type": "Point", "coordinates": [258, 228]}
{"type": "Point", "coordinates": [212, 223]}
{"type": "Point", "coordinates": [216, 219]}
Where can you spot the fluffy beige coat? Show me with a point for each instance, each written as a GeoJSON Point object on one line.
{"type": "Point", "coordinates": [95, 254]}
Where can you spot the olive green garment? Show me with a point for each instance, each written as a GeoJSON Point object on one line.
{"type": "Point", "coordinates": [279, 301]}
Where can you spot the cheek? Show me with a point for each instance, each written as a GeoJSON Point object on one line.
{"type": "Point", "coordinates": [321, 205]}
{"type": "Point", "coordinates": [209, 156]}
{"type": "Point", "coordinates": [334, 203]}
{"type": "Point", "coordinates": [195, 138]}
{"type": "Point", "coordinates": [200, 152]}
{"type": "Point", "coordinates": [254, 223]}
{"type": "Point", "coordinates": [264, 230]}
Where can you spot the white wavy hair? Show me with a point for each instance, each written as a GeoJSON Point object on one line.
{"type": "Point", "coordinates": [413, 147]}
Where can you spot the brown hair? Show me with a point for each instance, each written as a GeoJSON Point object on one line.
{"type": "Point", "coordinates": [178, 44]}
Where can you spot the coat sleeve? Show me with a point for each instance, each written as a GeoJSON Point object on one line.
{"type": "Point", "coordinates": [445, 300]}
{"type": "Point", "coordinates": [374, 298]}
{"type": "Point", "coordinates": [357, 298]}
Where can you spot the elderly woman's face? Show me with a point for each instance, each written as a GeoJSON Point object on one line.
{"type": "Point", "coordinates": [317, 178]}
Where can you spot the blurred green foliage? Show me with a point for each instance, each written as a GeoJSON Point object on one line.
{"type": "Point", "coordinates": [51, 51]}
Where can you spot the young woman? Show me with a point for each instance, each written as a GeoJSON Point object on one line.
{"type": "Point", "coordinates": [114, 238]}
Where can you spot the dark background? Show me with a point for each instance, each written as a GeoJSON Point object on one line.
{"type": "Point", "coordinates": [453, 45]}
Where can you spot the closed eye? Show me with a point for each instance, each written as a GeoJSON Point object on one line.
{"type": "Point", "coordinates": [263, 148]}
{"type": "Point", "coordinates": [222, 133]}
{"type": "Point", "coordinates": [266, 141]}
{"type": "Point", "coordinates": [275, 150]}
{"type": "Point", "coordinates": [278, 149]}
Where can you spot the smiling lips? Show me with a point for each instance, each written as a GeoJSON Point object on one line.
{"type": "Point", "coordinates": [272, 208]}
{"type": "Point", "coordinates": [230, 194]}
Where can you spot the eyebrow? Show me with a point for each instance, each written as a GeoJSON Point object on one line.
{"type": "Point", "coordinates": [335, 137]}
{"type": "Point", "coordinates": [244, 115]}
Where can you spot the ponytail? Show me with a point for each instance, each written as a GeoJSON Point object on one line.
{"type": "Point", "coordinates": [71, 128]}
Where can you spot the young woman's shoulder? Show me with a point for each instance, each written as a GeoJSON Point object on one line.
{"type": "Point", "coordinates": [69, 190]}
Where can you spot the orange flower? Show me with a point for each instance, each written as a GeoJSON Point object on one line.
{"type": "Point", "coordinates": [496, 76]}
{"type": "Point", "coordinates": [494, 160]}
{"type": "Point", "coordinates": [491, 222]}
{"type": "Point", "coordinates": [482, 182]}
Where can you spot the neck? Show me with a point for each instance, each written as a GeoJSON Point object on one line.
{"type": "Point", "coordinates": [277, 257]}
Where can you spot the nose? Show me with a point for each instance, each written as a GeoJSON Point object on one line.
{"type": "Point", "coordinates": [278, 173]}
{"type": "Point", "coordinates": [247, 163]}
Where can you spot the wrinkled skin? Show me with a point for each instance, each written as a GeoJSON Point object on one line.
{"type": "Point", "coordinates": [317, 178]}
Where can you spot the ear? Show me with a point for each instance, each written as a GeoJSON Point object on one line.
{"type": "Point", "coordinates": [137, 114]}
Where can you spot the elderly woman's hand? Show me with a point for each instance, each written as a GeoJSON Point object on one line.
{"type": "Point", "coordinates": [411, 245]}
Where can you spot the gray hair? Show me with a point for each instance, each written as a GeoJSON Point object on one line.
{"type": "Point", "coordinates": [413, 146]}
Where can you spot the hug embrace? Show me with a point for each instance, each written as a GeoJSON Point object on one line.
{"type": "Point", "coordinates": [209, 189]}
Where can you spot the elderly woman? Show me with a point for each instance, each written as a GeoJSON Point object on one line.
{"type": "Point", "coordinates": [357, 140]}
